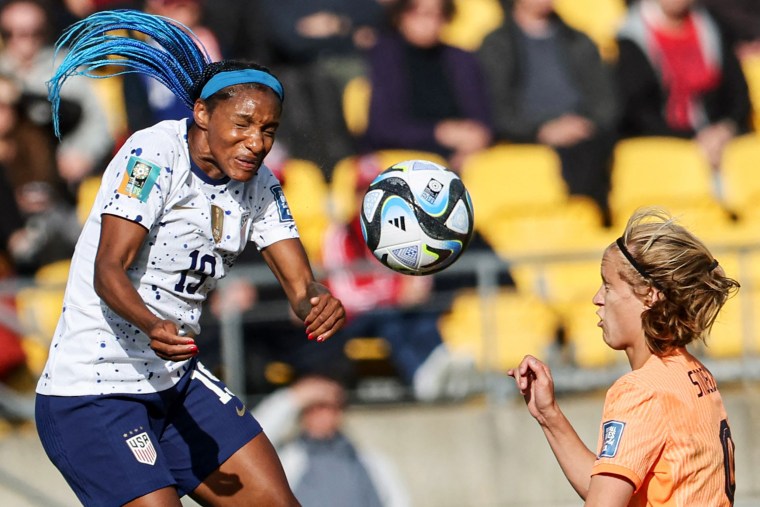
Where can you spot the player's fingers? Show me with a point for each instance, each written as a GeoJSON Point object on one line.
{"type": "Point", "coordinates": [330, 325]}
{"type": "Point", "coordinates": [173, 340]}
{"type": "Point", "coordinates": [524, 365]}
{"type": "Point", "coordinates": [173, 352]}
{"type": "Point", "coordinates": [332, 330]}
{"type": "Point", "coordinates": [541, 370]}
{"type": "Point", "coordinates": [323, 316]}
{"type": "Point", "coordinates": [318, 304]}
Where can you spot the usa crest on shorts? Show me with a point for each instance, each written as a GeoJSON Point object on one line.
{"type": "Point", "coordinates": [142, 448]}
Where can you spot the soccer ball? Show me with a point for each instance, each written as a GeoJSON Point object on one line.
{"type": "Point", "coordinates": [417, 217]}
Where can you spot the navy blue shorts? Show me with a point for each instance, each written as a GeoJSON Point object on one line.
{"type": "Point", "coordinates": [114, 448]}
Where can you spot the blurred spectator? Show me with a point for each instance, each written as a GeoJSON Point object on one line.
{"type": "Point", "coordinates": [190, 14]}
{"type": "Point", "coordinates": [315, 48]}
{"type": "Point", "coordinates": [50, 230]}
{"type": "Point", "coordinates": [9, 99]}
{"type": "Point", "coordinates": [741, 21]}
{"type": "Point", "coordinates": [321, 462]}
{"type": "Point", "coordinates": [426, 95]}
{"type": "Point", "coordinates": [27, 55]}
{"type": "Point", "coordinates": [64, 13]}
{"type": "Point", "coordinates": [39, 226]}
{"type": "Point", "coordinates": [679, 77]}
{"type": "Point", "coordinates": [147, 100]}
{"type": "Point", "coordinates": [396, 307]}
{"type": "Point", "coordinates": [549, 85]}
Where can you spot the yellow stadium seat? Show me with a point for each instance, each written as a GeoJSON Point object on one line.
{"type": "Point", "coordinates": [307, 192]}
{"type": "Point", "coordinates": [474, 19]}
{"type": "Point", "coordinates": [86, 194]}
{"type": "Point", "coordinates": [599, 19]}
{"type": "Point", "coordinates": [573, 227]}
{"type": "Point", "coordinates": [708, 219]}
{"type": "Point", "coordinates": [751, 68]}
{"type": "Point", "coordinates": [712, 224]}
{"type": "Point", "coordinates": [735, 331]}
{"type": "Point", "coordinates": [584, 337]}
{"type": "Point", "coordinates": [356, 99]}
{"type": "Point", "coordinates": [500, 330]}
{"type": "Point", "coordinates": [662, 171]}
{"type": "Point", "coordinates": [561, 283]}
{"type": "Point", "coordinates": [343, 183]}
{"type": "Point", "coordinates": [740, 183]}
{"type": "Point", "coordinates": [36, 353]}
{"type": "Point", "coordinates": [39, 306]}
{"type": "Point", "coordinates": [507, 178]}
{"type": "Point", "coordinates": [54, 274]}
{"type": "Point", "coordinates": [38, 310]}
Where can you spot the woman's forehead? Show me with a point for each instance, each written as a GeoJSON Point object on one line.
{"type": "Point", "coordinates": [611, 261]}
{"type": "Point", "coordinates": [249, 99]}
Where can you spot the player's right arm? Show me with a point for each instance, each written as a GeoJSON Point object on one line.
{"type": "Point", "coordinates": [534, 380]}
{"type": "Point", "coordinates": [120, 240]}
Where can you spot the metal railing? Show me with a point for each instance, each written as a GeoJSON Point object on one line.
{"type": "Point", "coordinates": [485, 269]}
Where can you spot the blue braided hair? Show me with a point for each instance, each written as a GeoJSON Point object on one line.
{"type": "Point", "coordinates": [178, 63]}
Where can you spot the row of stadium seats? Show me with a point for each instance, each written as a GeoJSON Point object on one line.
{"type": "Point", "coordinates": [553, 241]}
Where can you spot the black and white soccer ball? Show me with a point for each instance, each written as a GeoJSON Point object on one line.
{"type": "Point", "coordinates": [417, 217]}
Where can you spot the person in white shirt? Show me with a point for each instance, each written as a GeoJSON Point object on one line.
{"type": "Point", "coordinates": [125, 409]}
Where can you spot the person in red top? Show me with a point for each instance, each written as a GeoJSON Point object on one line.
{"type": "Point", "coordinates": [664, 439]}
{"type": "Point", "coordinates": [678, 76]}
{"type": "Point", "coordinates": [382, 303]}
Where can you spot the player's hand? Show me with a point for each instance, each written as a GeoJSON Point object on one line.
{"type": "Point", "coordinates": [534, 380]}
{"type": "Point", "coordinates": [326, 316]}
{"type": "Point", "coordinates": [168, 344]}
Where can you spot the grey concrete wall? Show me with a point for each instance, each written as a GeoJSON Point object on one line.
{"type": "Point", "coordinates": [458, 455]}
{"type": "Point", "coordinates": [476, 455]}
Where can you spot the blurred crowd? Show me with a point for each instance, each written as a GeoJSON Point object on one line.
{"type": "Point", "coordinates": [448, 77]}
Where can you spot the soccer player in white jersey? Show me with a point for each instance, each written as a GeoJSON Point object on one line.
{"type": "Point", "coordinates": [124, 408]}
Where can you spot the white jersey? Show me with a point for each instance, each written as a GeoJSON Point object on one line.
{"type": "Point", "coordinates": [196, 229]}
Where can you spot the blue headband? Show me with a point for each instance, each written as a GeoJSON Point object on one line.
{"type": "Point", "coordinates": [235, 77]}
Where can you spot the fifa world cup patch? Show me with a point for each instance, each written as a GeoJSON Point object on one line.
{"type": "Point", "coordinates": [612, 431]}
{"type": "Point", "coordinates": [142, 448]}
{"type": "Point", "coordinates": [282, 204]}
{"type": "Point", "coordinates": [139, 178]}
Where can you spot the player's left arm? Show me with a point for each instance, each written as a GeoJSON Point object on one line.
{"type": "Point", "coordinates": [312, 302]}
{"type": "Point", "coordinates": [606, 490]}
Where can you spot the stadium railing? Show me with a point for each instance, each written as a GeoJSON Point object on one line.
{"type": "Point", "coordinates": [734, 355]}
{"type": "Point", "coordinates": [571, 375]}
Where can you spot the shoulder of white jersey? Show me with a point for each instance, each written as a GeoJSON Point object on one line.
{"type": "Point", "coordinates": [173, 129]}
{"type": "Point", "coordinates": [266, 176]}
{"type": "Point", "coordinates": [162, 143]}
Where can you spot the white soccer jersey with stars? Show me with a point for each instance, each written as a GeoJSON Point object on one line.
{"type": "Point", "coordinates": [196, 229]}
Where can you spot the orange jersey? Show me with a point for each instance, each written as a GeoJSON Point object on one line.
{"type": "Point", "coordinates": [665, 429]}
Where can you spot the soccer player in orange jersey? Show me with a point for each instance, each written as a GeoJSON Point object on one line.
{"type": "Point", "coordinates": [664, 439]}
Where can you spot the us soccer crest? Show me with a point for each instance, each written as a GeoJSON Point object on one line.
{"type": "Point", "coordinates": [217, 222]}
{"type": "Point", "coordinates": [142, 448]}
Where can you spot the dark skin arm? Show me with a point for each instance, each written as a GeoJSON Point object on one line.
{"type": "Point", "coordinates": [120, 240]}
{"type": "Point", "coordinates": [312, 302]}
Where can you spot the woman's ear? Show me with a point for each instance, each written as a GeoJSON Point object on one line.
{"type": "Point", "coordinates": [652, 297]}
{"type": "Point", "coordinates": [201, 114]}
